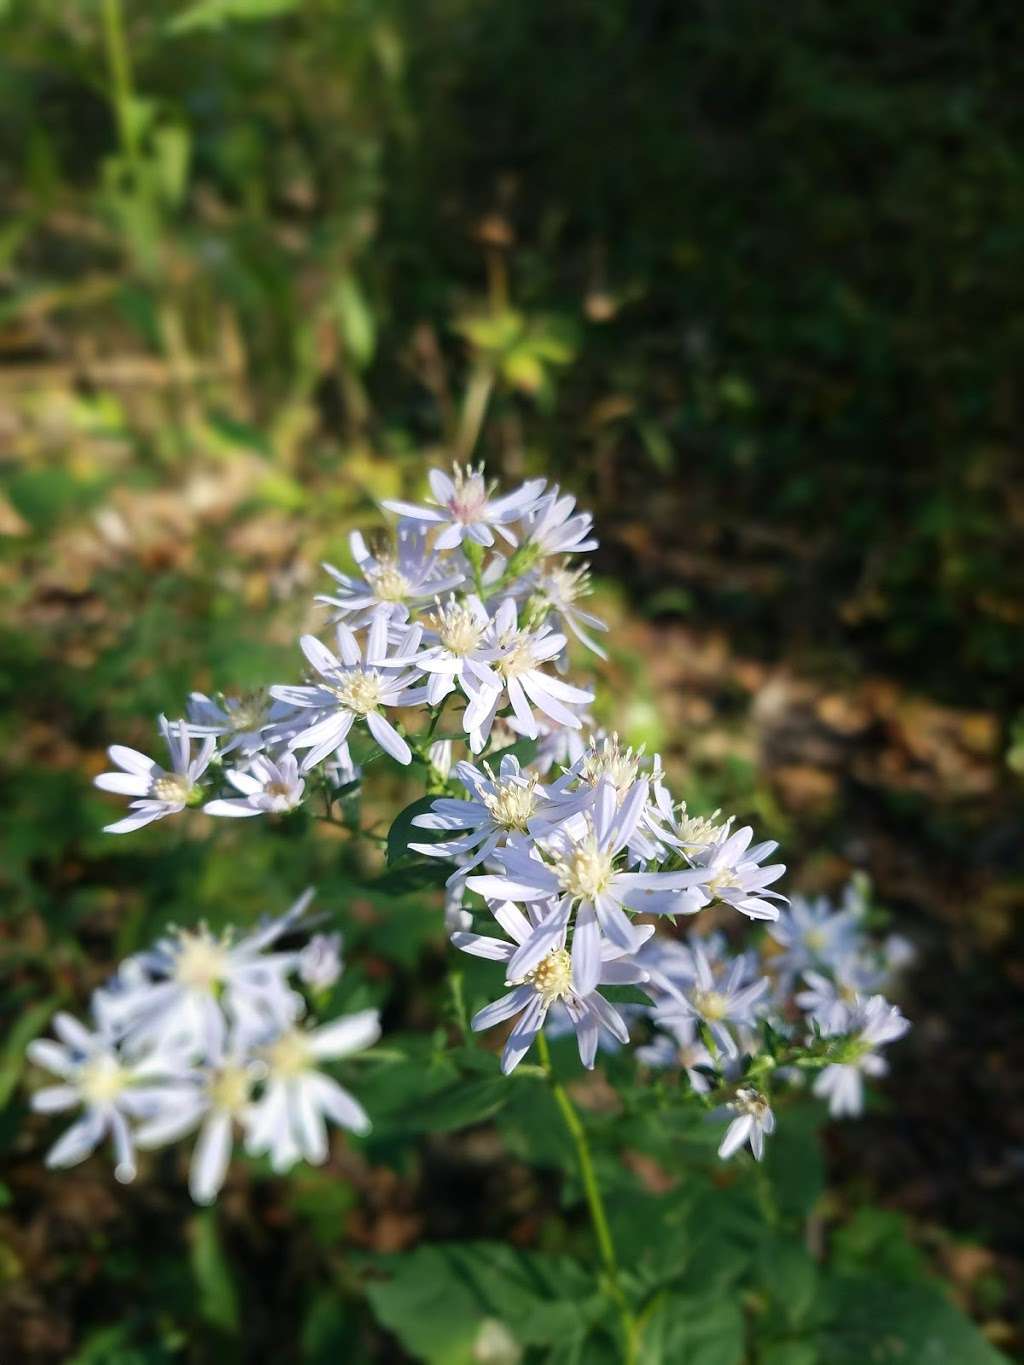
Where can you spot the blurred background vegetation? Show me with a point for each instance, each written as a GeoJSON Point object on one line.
{"type": "Point", "coordinates": [749, 285]}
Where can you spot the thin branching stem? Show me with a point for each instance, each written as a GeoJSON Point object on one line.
{"type": "Point", "coordinates": [595, 1204]}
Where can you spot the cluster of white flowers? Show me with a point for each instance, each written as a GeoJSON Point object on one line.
{"type": "Point", "coordinates": [207, 1033]}
{"type": "Point", "coordinates": [815, 981]}
{"type": "Point", "coordinates": [463, 613]}
{"type": "Point", "coordinates": [423, 619]}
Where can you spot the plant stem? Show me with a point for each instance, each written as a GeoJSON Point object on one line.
{"type": "Point", "coordinates": [121, 78]}
{"type": "Point", "coordinates": [595, 1204]}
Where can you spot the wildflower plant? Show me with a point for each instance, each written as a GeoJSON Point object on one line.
{"type": "Point", "coordinates": [575, 880]}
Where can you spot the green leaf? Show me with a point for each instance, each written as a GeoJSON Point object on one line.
{"type": "Point", "coordinates": [355, 321]}
{"type": "Point", "coordinates": [899, 1324]}
{"type": "Point", "coordinates": [12, 1062]}
{"type": "Point", "coordinates": [458, 1106]}
{"type": "Point", "coordinates": [442, 1301]}
{"type": "Point", "coordinates": [402, 831]}
{"type": "Point", "coordinates": [794, 1161]}
{"type": "Point", "coordinates": [876, 1241]}
{"type": "Point", "coordinates": [218, 1302]}
{"type": "Point", "coordinates": [171, 148]}
{"type": "Point", "coordinates": [697, 1330]}
{"type": "Point", "coordinates": [213, 14]}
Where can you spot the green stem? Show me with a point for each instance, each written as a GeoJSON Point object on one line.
{"type": "Point", "coordinates": [595, 1204]}
{"type": "Point", "coordinates": [121, 78]}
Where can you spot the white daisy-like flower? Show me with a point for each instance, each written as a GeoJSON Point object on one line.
{"type": "Point", "coordinates": [812, 932]}
{"type": "Point", "coordinates": [196, 982]}
{"type": "Point", "coordinates": [215, 1099]}
{"type": "Point", "coordinates": [871, 1024]}
{"type": "Point", "coordinates": [270, 787]}
{"type": "Point", "coordinates": [511, 801]}
{"type": "Point", "coordinates": [457, 649]}
{"type": "Point", "coordinates": [465, 507]}
{"type": "Point", "coordinates": [732, 874]}
{"type": "Point", "coordinates": [721, 1001]}
{"type": "Point", "coordinates": [828, 995]}
{"type": "Point", "coordinates": [551, 979]}
{"type": "Point", "coordinates": [398, 575]}
{"type": "Point", "coordinates": [288, 1120]}
{"type": "Point", "coordinates": [552, 526]}
{"type": "Point", "coordinates": [518, 656]}
{"type": "Point", "coordinates": [160, 791]}
{"type": "Point", "coordinates": [113, 1091]}
{"type": "Point", "coordinates": [582, 874]}
{"type": "Point", "coordinates": [238, 723]}
{"type": "Point", "coordinates": [754, 1122]}
{"type": "Point", "coordinates": [353, 688]}
{"type": "Point", "coordinates": [558, 588]}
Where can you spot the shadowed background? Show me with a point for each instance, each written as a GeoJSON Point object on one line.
{"type": "Point", "coordinates": [749, 286]}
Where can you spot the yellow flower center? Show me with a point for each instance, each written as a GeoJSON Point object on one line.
{"type": "Point", "coordinates": [711, 1004]}
{"type": "Point", "coordinates": [290, 1055]}
{"type": "Point", "coordinates": [359, 691]}
{"type": "Point", "coordinates": [518, 657]}
{"type": "Point", "coordinates": [457, 628]}
{"type": "Point", "coordinates": [564, 585]}
{"type": "Point", "coordinates": [610, 759]}
{"type": "Point", "coordinates": [389, 583]}
{"type": "Point", "coordinates": [721, 881]}
{"type": "Point", "coordinates": [512, 803]}
{"type": "Point", "coordinates": [696, 831]}
{"type": "Point", "coordinates": [250, 712]}
{"type": "Point", "coordinates": [171, 787]}
{"type": "Point", "coordinates": [102, 1080]}
{"type": "Point", "coordinates": [586, 871]}
{"type": "Point", "coordinates": [201, 962]}
{"type": "Point", "coordinates": [552, 976]}
{"type": "Point", "coordinates": [229, 1089]}
{"type": "Point", "coordinates": [815, 940]}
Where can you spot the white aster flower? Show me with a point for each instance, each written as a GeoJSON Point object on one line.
{"type": "Point", "coordinates": [353, 688]}
{"type": "Point", "coordinates": [397, 576]}
{"type": "Point", "coordinates": [828, 996]}
{"type": "Point", "coordinates": [812, 932]}
{"type": "Point", "coordinates": [581, 873]}
{"type": "Point", "coordinates": [288, 1121]}
{"type": "Point", "coordinates": [871, 1024]}
{"type": "Point", "coordinates": [511, 801]}
{"type": "Point", "coordinates": [753, 1123]}
{"type": "Point", "coordinates": [517, 656]}
{"type": "Point", "coordinates": [215, 1101]}
{"type": "Point", "coordinates": [723, 1000]}
{"type": "Point", "coordinates": [270, 787]}
{"type": "Point", "coordinates": [237, 722]}
{"type": "Point", "coordinates": [320, 962]}
{"type": "Point", "coordinates": [551, 979]}
{"type": "Point", "coordinates": [112, 1089]}
{"type": "Point", "coordinates": [457, 649]}
{"type": "Point", "coordinates": [552, 526]}
{"type": "Point", "coordinates": [196, 982]}
{"type": "Point", "coordinates": [161, 791]}
{"type": "Point", "coordinates": [732, 873]}
{"type": "Point", "coordinates": [466, 509]}
{"type": "Point", "coordinates": [557, 588]}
